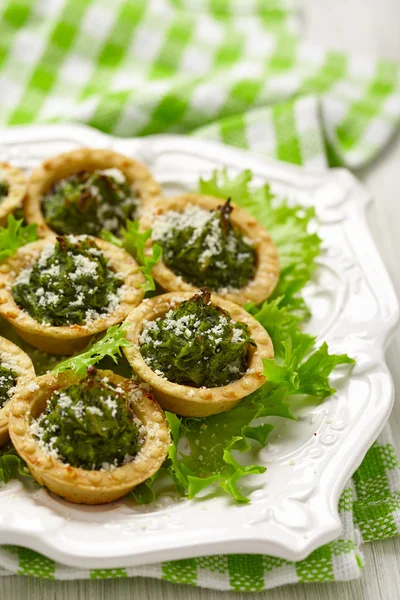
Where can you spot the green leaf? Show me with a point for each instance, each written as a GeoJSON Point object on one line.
{"type": "Point", "coordinates": [110, 237]}
{"type": "Point", "coordinates": [259, 433]}
{"type": "Point", "coordinates": [280, 374]}
{"type": "Point", "coordinates": [15, 235]}
{"type": "Point", "coordinates": [134, 242]}
{"type": "Point", "coordinates": [198, 484]}
{"type": "Point", "coordinates": [176, 471]}
{"type": "Point", "coordinates": [109, 345]}
{"type": "Point", "coordinates": [144, 493]}
{"type": "Point", "coordinates": [11, 465]}
{"type": "Point", "coordinates": [314, 372]}
{"type": "Point", "coordinates": [273, 403]}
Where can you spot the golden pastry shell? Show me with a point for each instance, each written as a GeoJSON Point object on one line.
{"type": "Point", "coordinates": [80, 485]}
{"type": "Point", "coordinates": [186, 400]}
{"type": "Point", "coordinates": [267, 263]}
{"type": "Point", "coordinates": [26, 373]}
{"type": "Point", "coordinates": [66, 339]}
{"type": "Point", "coordinates": [16, 193]}
{"type": "Point", "coordinates": [84, 159]}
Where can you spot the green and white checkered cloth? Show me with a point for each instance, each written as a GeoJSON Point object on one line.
{"type": "Point", "coordinates": [235, 71]}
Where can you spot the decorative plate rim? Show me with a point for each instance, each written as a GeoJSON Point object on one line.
{"type": "Point", "coordinates": [348, 206]}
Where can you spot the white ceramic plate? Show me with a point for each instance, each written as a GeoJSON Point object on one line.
{"type": "Point", "coordinates": [294, 508]}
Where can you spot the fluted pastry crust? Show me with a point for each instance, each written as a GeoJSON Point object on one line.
{"type": "Point", "coordinates": [267, 262]}
{"type": "Point", "coordinates": [186, 400]}
{"type": "Point", "coordinates": [26, 373]}
{"type": "Point", "coordinates": [81, 485]}
{"type": "Point", "coordinates": [16, 193]}
{"type": "Point", "coordinates": [67, 339]}
{"type": "Point", "coordinates": [84, 159]}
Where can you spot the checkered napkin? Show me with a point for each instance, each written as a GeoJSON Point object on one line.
{"type": "Point", "coordinates": [228, 70]}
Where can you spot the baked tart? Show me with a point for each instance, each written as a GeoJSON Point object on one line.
{"type": "Point", "coordinates": [201, 354]}
{"type": "Point", "coordinates": [87, 190]}
{"type": "Point", "coordinates": [59, 292]}
{"type": "Point", "coordinates": [89, 439]}
{"type": "Point", "coordinates": [16, 370]}
{"type": "Point", "coordinates": [12, 190]}
{"type": "Point", "coordinates": [208, 243]}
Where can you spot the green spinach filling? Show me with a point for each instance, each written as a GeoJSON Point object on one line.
{"type": "Point", "coordinates": [87, 202]}
{"type": "Point", "coordinates": [70, 284]}
{"type": "Point", "coordinates": [90, 425]}
{"type": "Point", "coordinates": [204, 248]}
{"type": "Point", "coordinates": [8, 380]}
{"type": "Point", "coordinates": [197, 344]}
{"type": "Point", "coordinates": [4, 189]}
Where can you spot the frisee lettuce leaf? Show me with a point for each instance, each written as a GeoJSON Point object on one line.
{"type": "Point", "coordinates": [11, 465]}
{"type": "Point", "coordinates": [109, 345]}
{"type": "Point", "coordinates": [214, 444]}
{"type": "Point", "coordinates": [15, 235]}
{"type": "Point", "coordinates": [134, 241]}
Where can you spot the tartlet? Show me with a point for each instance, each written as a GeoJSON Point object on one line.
{"type": "Point", "coordinates": [67, 339]}
{"type": "Point", "coordinates": [84, 159]}
{"type": "Point", "coordinates": [267, 262]}
{"type": "Point", "coordinates": [81, 485]}
{"type": "Point", "coordinates": [187, 400]}
{"type": "Point", "coordinates": [16, 182]}
{"type": "Point", "coordinates": [22, 365]}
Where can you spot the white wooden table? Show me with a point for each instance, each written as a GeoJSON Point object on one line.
{"type": "Point", "coordinates": [363, 26]}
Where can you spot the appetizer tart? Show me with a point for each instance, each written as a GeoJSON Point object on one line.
{"type": "Point", "coordinates": [208, 243]}
{"type": "Point", "coordinates": [58, 292]}
{"type": "Point", "coordinates": [16, 370]}
{"type": "Point", "coordinates": [201, 354]}
{"type": "Point", "coordinates": [12, 190]}
{"type": "Point", "coordinates": [89, 439]}
{"type": "Point", "coordinates": [87, 190]}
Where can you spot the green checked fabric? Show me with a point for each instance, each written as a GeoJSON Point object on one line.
{"type": "Point", "coordinates": [369, 509]}
{"type": "Point", "coordinates": [228, 70]}
{"type": "Point", "coordinates": [153, 66]}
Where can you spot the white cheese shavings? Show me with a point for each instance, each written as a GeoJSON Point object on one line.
{"type": "Point", "coordinates": [46, 253]}
{"type": "Point", "coordinates": [32, 386]}
{"type": "Point", "coordinates": [84, 267]}
{"type": "Point", "coordinates": [24, 276]}
{"type": "Point", "coordinates": [193, 216]}
{"type": "Point", "coordinates": [115, 174]}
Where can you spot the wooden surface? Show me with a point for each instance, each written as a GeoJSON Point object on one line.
{"type": "Point", "coordinates": [363, 26]}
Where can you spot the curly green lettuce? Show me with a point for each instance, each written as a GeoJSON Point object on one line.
{"type": "Point", "coordinates": [134, 241]}
{"type": "Point", "coordinates": [15, 235]}
{"type": "Point", "coordinates": [11, 465]}
{"type": "Point", "coordinates": [109, 345]}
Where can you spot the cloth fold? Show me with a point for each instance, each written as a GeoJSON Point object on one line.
{"type": "Point", "coordinates": [233, 71]}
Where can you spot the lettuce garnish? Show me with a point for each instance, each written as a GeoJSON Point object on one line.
{"type": "Point", "coordinates": [15, 235]}
{"type": "Point", "coordinates": [11, 465]}
{"type": "Point", "coordinates": [109, 345]}
{"type": "Point", "coordinates": [134, 241]}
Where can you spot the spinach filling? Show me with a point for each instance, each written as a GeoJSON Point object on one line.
{"type": "Point", "coordinates": [4, 189]}
{"type": "Point", "coordinates": [70, 284]}
{"type": "Point", "coordinates": [8, 380]}
{"type": "Point", "coordinates": [87, 202]}
{"type": "Point", "coordinates": [197, 344]}
{"type": "Point", "coordinates": [205, 249]}
{"type": "Point", "coordinates": [90, 425]}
